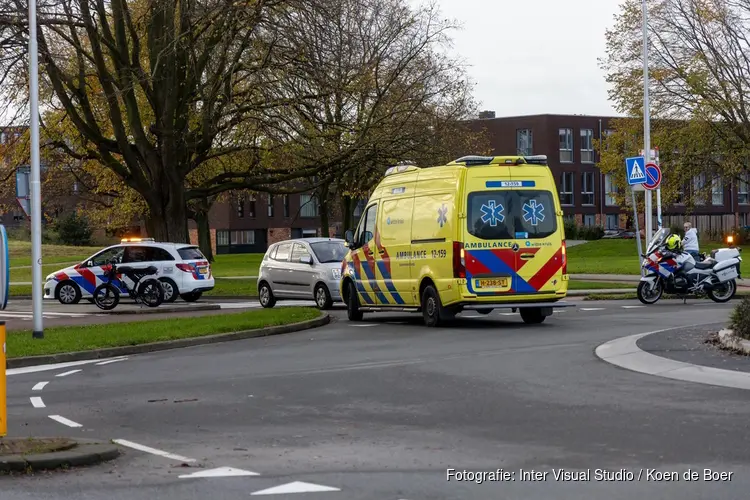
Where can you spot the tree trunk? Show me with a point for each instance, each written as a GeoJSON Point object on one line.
{"type": "Point", "coordinates": [204, 233]}
{"type": "Point", "coordinates": [323, 207]}
{"type": "Point", "coordinates": [346, 206]}
{"type": "Point", "coordinates": [168, 215]}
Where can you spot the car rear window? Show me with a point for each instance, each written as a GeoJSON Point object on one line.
{"type": "Point", "coordinates": [191, 253]}
{"type": "Point", "coordinates": [506, 215]}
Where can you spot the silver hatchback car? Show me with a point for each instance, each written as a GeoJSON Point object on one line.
{"type": "Point", "coordinates": [302, 269]}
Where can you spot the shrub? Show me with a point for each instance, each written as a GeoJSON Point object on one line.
{"type": "Point", "coordinates": [74, 230]}
{"type": "Point", "coordinates": [740, 319]}
{"type": "Point", "coordinates": [571, 230]}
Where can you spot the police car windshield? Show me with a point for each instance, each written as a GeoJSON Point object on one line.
{"type": "Point", "coordinates": [329, 251]}
{"type": "Point", "coordinates": [507, 215]}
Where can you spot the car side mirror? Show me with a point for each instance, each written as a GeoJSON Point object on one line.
{"type": "Point", "coordinates": [349, 237]}
{"type": "Point", "coordinates": [306, 259]}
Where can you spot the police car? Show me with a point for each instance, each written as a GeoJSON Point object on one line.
{"type": "Point", "coordinates": [183, 270]}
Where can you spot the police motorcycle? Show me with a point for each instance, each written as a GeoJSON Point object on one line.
{"type": "Point", "coordinates": [675, 272]}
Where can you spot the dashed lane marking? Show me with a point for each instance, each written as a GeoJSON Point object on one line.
{"type": "Point", "coordinates": [65, 374]}
{"type": "Point", "coordinates": [64, 421]}
{"type": "Point", "coordinates": [39, 386]}
{"type": "Point", "coordinates": [219, 472]}
{"type": "Point", "coordinates": [153, 451]}
{"type": "Point", "coordinates": [111, 361]}
{"type": "Point", "coordinates": [37, 402]}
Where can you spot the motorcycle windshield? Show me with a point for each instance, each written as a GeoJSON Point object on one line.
{"type": "Point", "coordinates": [658, 240]}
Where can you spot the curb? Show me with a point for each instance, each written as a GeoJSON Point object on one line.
{"type": "Point", "coordinates": [87, 452]}
{"type": "Point", "coordinates": [111, 352]}
{"type": "Point", "coordinates": [728, 340]}
{"type": "Point", "coordinates": [604, 291]}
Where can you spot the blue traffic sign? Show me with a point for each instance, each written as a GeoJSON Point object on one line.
{"type": "Point", "coordinates": [636, 170]}
{"type": "Point", "coordinates": [653, 176]}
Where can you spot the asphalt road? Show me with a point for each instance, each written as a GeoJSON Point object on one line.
{"type": "Point", "coordinates": [383, 409]}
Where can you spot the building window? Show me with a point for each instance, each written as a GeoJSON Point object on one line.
{"type": "Point", "coordinates": [270, 206]}
{"type": "Point", "coordinates": [566, 188]}
{"type": "Point", "coordinates": [240, 207]}
{"type": "Point", "coordinates": [610, 191]}
{"type": "Point", "coordinates": [717, 191]}
{"type": "Point", "coordinates": [743, 193]}
{"type": "Point", "coordinates": [308, 206]}
{"type": "Point", "coordinates": [242, 237]}
{"type": "Point", "coordinates": [309, 233]}
{"type": "Point", "coordinates": [222, 238]}
{"type": "Point", "coordinates": [589, 220]}
{"type": "Point", "coordinates": [251, 206]}
{"type": "Point", "coordinates": [587, 145]}
{"type": "Point", "coordinates": [286, 205]}
{"type": "Point", "coordinates": [680, 195]}
{"type": "Point", "coordinates": [524, 142]}
{"type": "Point", "coordinates": [744, 219]}
{"type": "Point", "coordinates": [566, 145]}
{"type": "Point", "coordinates": [607, 133]}
{"type": "Point", "coordinates": [587, 188]}
{"type": "Point", "coordinates": [612, 221]}
{"type": "Point", "coordinates": [699, 187]}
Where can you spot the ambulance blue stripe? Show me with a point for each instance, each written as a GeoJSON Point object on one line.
{"type": "Point", "coordinates": [497, 266]}
{"type": "Point", "coordinates": [360, 286]}
{"type": "Point", "coordinates": [373, 282]}
{"type": "Point", "coordinates": [389, 283]}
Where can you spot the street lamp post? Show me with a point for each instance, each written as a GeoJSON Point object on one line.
{"type": "Point", "coordinates": [35, 185]}
{"type": "Point", "coordinates": [646, 121]}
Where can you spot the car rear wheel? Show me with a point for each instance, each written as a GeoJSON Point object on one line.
{"type": "Point", "coordinates": [265, 296]}
{"type": "Point", "coordinates": [68, 293]}
{"type": "Point", "coordinates": [323, 297]}
{"type": "Point", "coordinates": [171, 292]}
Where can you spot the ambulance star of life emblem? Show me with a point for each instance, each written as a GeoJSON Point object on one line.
{"type": "Point", "coordinates": [442, 215]}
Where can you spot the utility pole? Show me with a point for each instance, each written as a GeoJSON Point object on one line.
{"type": "Point", "coordinates": [36, 192]}
{"type": "Point", "coordinates": [646, 122]}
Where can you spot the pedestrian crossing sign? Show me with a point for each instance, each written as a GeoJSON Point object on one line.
{"type": "Point", "coordinates": [636, 170]}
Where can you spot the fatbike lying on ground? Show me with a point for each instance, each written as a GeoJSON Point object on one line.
{"type": "Point", "coordinates": [680, 275]}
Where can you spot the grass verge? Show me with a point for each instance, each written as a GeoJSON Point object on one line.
{"type": "Point", "coordinates": [33, 446]}
{"type": "Point", "coordinates": [90, 337]}
{"type": "Point", "coordinates": [599, 285]}
{"type": "Point", "coordinates": [613, 257]}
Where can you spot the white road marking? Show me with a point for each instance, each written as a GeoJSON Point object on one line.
{"type": "Point", "coordinates": [39, 386]}
{"type": "Point", "coordinates": [152, 451]}
{"type": "Point", "coordinates": [111, 361]}
{"type": "Point", "coordinates": [362, 325]}
{"type": "Point", "coordinates": [220, 472]}
{"type": "Point", "coordinates": [295, 487]}
{"type": "Point", "coordinates": [50, 367]}
{"type": "Point", "coordinates": [48, 315]}
{"type": "Point", "coordinates": [64, 421]}
{"type": "Point", "coordinates": [37, 402]}
{"type": "Point", "coordinates": [632, 307]}
{"type": "Point", "coordinates": [592, 309]}
{"type": "Point", "coordinates": [65, 374]}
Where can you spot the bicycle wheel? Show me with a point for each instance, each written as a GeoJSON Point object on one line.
{"type": "Point", "coordinates": [106, 296]}
{"type": "Point", "coordinates": [151, 292]}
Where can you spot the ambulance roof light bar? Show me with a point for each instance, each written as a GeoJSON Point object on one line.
{"type": "Point", "coordinates": [400, 168]}
{"type": "Point", "coordinates": [474, 160]}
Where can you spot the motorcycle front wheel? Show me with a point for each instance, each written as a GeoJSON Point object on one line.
{"type": "Point", "coordinates": [649, 295]}
{"type": "Point", "coordinates": [106, 296]}
{"type": "Point", "coordinates": [723, 292]}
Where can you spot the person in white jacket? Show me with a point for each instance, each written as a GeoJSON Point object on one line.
{"type": "Point", "coordinates": [690, 241]}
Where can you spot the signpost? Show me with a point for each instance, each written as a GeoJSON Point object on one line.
{"type": "Point", "coordinates": [635, 170]}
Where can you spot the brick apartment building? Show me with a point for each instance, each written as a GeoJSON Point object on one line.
{"type": "Point", "coordinates": [585, 192]}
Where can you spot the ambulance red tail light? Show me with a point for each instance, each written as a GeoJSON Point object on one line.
{"type": "Point", "coordinates": [564, 258]}
{"type": "Point", "coordinates": [459, 260]}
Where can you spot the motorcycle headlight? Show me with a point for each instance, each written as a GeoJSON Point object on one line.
{"type": "Point", "coordinates": [336, 273]}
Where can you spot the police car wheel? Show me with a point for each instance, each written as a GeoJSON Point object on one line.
{"type": "Point", "coordinates": [171, 293]}
{"type": "Point", "coordinates": [68, 293]}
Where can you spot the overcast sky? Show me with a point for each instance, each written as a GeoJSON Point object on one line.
{"type": "Point", "coordinates": [535, 56]}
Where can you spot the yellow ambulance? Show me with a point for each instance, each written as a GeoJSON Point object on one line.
{"type": "Point", "coordinates": [479, 233]}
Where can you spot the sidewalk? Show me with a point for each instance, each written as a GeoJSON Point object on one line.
{"type": "Point", "coordinates": [629, 278]}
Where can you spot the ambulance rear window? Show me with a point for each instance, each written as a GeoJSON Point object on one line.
{"type": "Point", "coordinates": [507, 215]}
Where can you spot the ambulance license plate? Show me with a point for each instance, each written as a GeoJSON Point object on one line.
{"type": "Point", "coordinates": [492, 283]}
